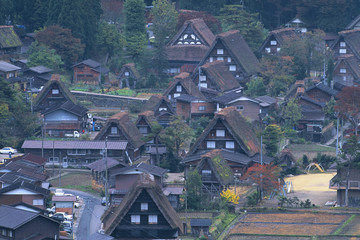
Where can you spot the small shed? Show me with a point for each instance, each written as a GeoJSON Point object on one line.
{"type": "Point", "coordinates": [199, 225]}
{"type": "Point", "coordinates": [64, 203]}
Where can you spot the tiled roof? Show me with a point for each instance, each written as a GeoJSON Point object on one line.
{"type": "Point", "coordinates": [143, 167]}
{"type": "Point", "coordinates": [89, 62]}
{"type": "Point", "coordinates": [100, 165]}
{"type": "Point", "coordinates": [25, 185]}
{"type": "Point", "coordinates": [8, 37]}
{"type": "Point", "coordinates": [63, 198]}
{"type": "Point", "coordinates": [322, 87]}
{"type": "Point", "coordinates": [200, 222]}
{"type": "Point", "coordinates": [41, 69]}
{"type": "Point", "coordinates": [228, 97]}
{"type": "Point", "coordinates": [31, 158]}
{"type": "Point", "coordinates": [37, 144]}
{"type": "Point", "coordinates": [68, 106]}
{"type": "Point", "coordinates": [13, 218]}
{"type": "Point", "coordinates": [8, 67]}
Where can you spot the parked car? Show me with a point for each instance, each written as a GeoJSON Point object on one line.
{"type": "Point", "coordinates": [103, 201]}
{"type": "Point", "coordinates": [66, 216]}
{"type": "Point", "coordinates": [67, 226]}
{"type": "Point", "coordinates": [58, 217]}
{"type": "Point", "coordinates": [59, 192]}
{"type": "Point", "coordinates": [7, 150]}
{"type": "Point", "coordinates": [51, 210]}
{"type": "Point", "coordinates": [98, 127]}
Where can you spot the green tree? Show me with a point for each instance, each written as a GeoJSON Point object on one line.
{"type": "Point", "coordinates": [54, 10]}
{"type": "Point", "coordinates": [6, 8]}
{"type": "Point", "coordinates": [40, 54]}
{"type": "Point", "coordinates": [199, 125]}
{"type": "Point", "coordinates": [291, 113]}
{"type": "Point", "coordinates": [272, 136]}
{"type": "Point", "coordinates": [61, 40]}
{"type": "Point", "coordinates": [234, 17]}
{"type": "Point", "coordinates": [256, 87]}
{"type": "Point", "coordinates": [164, 18]}
{"type": "Point", "coordinates": [109, 39]}
{"type": "Point", "coordinates": [135, 32]}
{"type": "Point", "coordinates": [279, 84]}
{"type": "Point", "coordinates": [193, 188]}
{"type": "Point", "coordinates": [39, 18]}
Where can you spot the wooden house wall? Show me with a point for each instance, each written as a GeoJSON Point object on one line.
{"type": "Point", "coordinates": [114, 137]}
{"type": "Point", "coordinates": [85, 74]}
{"type": "Point", "coordinates": [183, 109]}
{"type": "Point", "coordinates": [7, 75]}
{"type": "Point", "coordinates": [174, 91]}
{"type": "Point", "coordinates": [309, 104]}
{"type": "Point", "coordinates": [250, 109]}
{"type": "Point", "coordinates": [354, 197]}
{"type": "Point", "coordinates": [336, 48]}
{"type": "Point", "coordinates": [273, 48]}
{"type": "Point", "coordinates": [344, 78]}
{"type": "Point", "coordinates": [46, 228]}
{"type": "Point", "coordinates": [51, 99]}
{"type": "Point", "coordinates": [144, 230]}
{"type": "Point", "coordinates": [205, 178]}
{"type": "Point", "coordinates": [319, 95]}
{"type": "Point", "coordinates": [28, 199]}
{"type": "Point", "coordinates": [210, 108]}
{"type": "Point", "coordinates": [125, 181]}
{"type": "Point", "coordinates": [239, 73]}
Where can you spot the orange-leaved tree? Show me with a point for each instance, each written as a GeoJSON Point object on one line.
{"type": "Point", "coordinates": [265, 176]}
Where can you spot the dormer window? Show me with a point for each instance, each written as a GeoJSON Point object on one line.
{"type": "Point", "coordinates": [273, 43]}
{"type": "Point", "coordinates": [342, 70]}
{"type": "Point", "coordinates": [229, 145]}
{"type": "Point", "coordinates": [232, 68]}
{"type": "Point", "coordinates": [220, 58]}
{"type": "Point", "coordinates": [114, 130]}
{"type": "Point", "coordinates": [220, 51]}
{"type": "Point", "coordinates": [178, 88]}
{"type": "Point", "coordinates": [268, 50]}
{"type": "Point", "coordinates": [162, 109]}
{"type": "Point", "coordinates": [210, 144]}
{"type": "Point", "coordinates": [220, 133]}
{"type": "Point", "coordinates": [203, 78]}
{"type": "Point", "coordinates": [127, 74]}
{"type": "Point", "coordinates": [342, 50]}
{"type": "Point", "coordinates": [342, 44]}
{"type": "Point", "coordinates": [211, 59]}
{"type": "Point", "coordinates": [55, 91]}
{"type": "Point", "coordinates": [153, 219]}
{"type": "Point", "coordinates": [229, 59]}
{"type": "Point", "coordinates": [135, 219]}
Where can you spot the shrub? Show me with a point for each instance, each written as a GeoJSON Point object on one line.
{"type": "Point", "coordinates": [253, 199]}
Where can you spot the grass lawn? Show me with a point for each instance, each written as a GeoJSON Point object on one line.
{"type": "Point", "coordinates": [310, 148]}
{"type": "Point", "coordinates": [78, 181]}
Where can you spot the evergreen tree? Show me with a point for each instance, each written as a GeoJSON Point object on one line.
{"type": "Point", "coordinates": [135, 32]}
{"type": "Point", "coordinates": [272, 136]}
{"type": "Point", "coordinates": [54, 10]}
{"type": "Point", "coordinates": [256, 87]}
{"type": "Point", "coordinates": [291, 113]}
{"type": "Point", "coordinates": [164, 17]}
{"type": "Point", "coordinates": [39, 16]}
{"type": "Point", "coordinates": [193, 188]}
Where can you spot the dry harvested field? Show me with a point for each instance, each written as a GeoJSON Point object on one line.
{"type": "Point", "coordinates": [289, 223]}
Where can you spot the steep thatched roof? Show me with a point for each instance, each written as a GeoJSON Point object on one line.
{"type": "Point", "coordinates": [131, 68]}
{"type": "Point", "coordinates": [8, 37]}
{"type": "Point", "coordinates": [352, 63]}
{"type": "Point", "coordinates": [54, 82]}
{"type": "Point", "coordinates": [352, 39]}
{"type": "Point", "coordinates": [113, 216]}
{"type": "Point", "coordinates": [126, 126]}
{"type": "Point", "coordinates": [219, 167]}
{"type": "Point", "coordinates": [187, 84]}
{"type": "Point", "coordinates": [154, 103]}
{"type": "Point", "coordinates": [241, 130]}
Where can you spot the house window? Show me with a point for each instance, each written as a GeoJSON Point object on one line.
{"type": "Point", "coordinates": [38, 202]}
{"type": "Point", "coordinates": [176, 95]}
{"type": "Point", "coordinates": [268, 50]}
{"type": "Point", "coordinates": [202, 108]}
{"type": "Point", "coordinates": [342, 70]}
{"type": "Point", "coordinates": [127, 74]}
{"type": "Point", "coordinates": [240, 107]}
{"type": "Point", "coordinates": [344, 78]}
{"type": "Point", "coordinates": [53, 159]}
{"type": "Point", "coordinates": [153, 219]}
{"type": "Point", "coordinates": [3, 232]}
{"type": "Point", "coordinates": [278, 49]}
{"type": "Point", "coordinates": [220, 58]}
{"type": "Point", "coordinates": [55, 91]}
{"type": "Point", "coordinates": [273, 43]}
{"type": "Point", "coordinates": [10, 233]}
{"type": "Point", "coordinates": [342, 51]}
{"type": "Point", "coordinates": [229, 59]}
{"type": "Point", "coordinates": [220, 133]}
{"type": "Point", "coordinates": [169, 97]}
{"type": "Point", "coordinates": [229, 145]}
{"type": "Point", "coordinates": [162, 109]}
{"type": "Point", "coordinates": [220, 51]}
{"type": "Point", "coordinates": [143, 130]}
{"type": "Point", "coordinates": [114, 130]}
{"type": "Point", "coordinates": [203, 85]}
{"type": "Point", "coordinates": [178, 88]}
{"type": "Point", "coordinates": [11, 74]}
{"type": "Point", "coordinates": [206, 175]}
{"type": "Point", "coordinates": [174, 70]}
{"type": "Point", "coordinates": [202, 78]}
{"type": "Point", "coordinates": [210, 144]}
{"type": "Point", "coordinates": [342, 44]}
{"type": "Point", "coordinates": [144, 206]}
{"type": "Point", "coordinates": [211, 59]}
{"type": "Point", "coordinates": [205, 172]}
{"type": "Point", "coordinates": [135, 219]}
{"type": "Point", "coordinates": [232, 68]}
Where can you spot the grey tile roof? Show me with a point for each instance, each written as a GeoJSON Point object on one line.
{"type": "Point", "coordinates": [37, 144]}
{"type": "Point", "coordinates": [25, 185]}
{"type": "Point", "coordinates": [99, 236]}
{"type": "Point", "coordinates": [322, 87]}
{"type": "Point", "coordinates": [69, 106]}
{"type": "Point", "coordinates": [8, 67]}
{"type": "Point", "coordinates": [41, 69]}
{"type": "Point", "coordinates": [228, 97]}
{"type": "Point", "coordinates": [63, 198]}
{"type": "Point", "coordinates": [200, 222]}
{"type": "Point", "coordinates": [13, 218]}
{"type": "Point", "coordinates": [100, 165]}
{"type": "Point", "coordinates": [143, 167]}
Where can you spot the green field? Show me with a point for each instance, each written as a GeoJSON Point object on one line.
{"type": "Point", "coordinates": [310, 148]}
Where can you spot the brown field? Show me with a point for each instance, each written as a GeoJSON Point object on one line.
{"type": "Point", "coordinates": [73, 179]}
{"type": "Point", "coordinates": [289, 223]}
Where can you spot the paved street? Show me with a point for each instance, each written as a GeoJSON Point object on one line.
{"type": "Point", "coordinates": [89, 214]}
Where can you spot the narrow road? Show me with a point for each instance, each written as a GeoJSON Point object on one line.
{"type": "Point", "coordinates": [88, 221]}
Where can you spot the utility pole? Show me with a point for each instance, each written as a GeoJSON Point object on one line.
{"type": "Point", "coordinates": [60, 161]}
{"type": "Point", "coordinates": [42, 133]}
{"type": "Point", "coordinates": [106, 174]}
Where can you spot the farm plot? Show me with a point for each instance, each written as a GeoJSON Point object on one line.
{"type": "Point", "coordinates": [289, 224]}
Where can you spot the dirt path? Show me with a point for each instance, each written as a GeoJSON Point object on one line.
{"type": "Point", "coordinates": [314, 187]}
